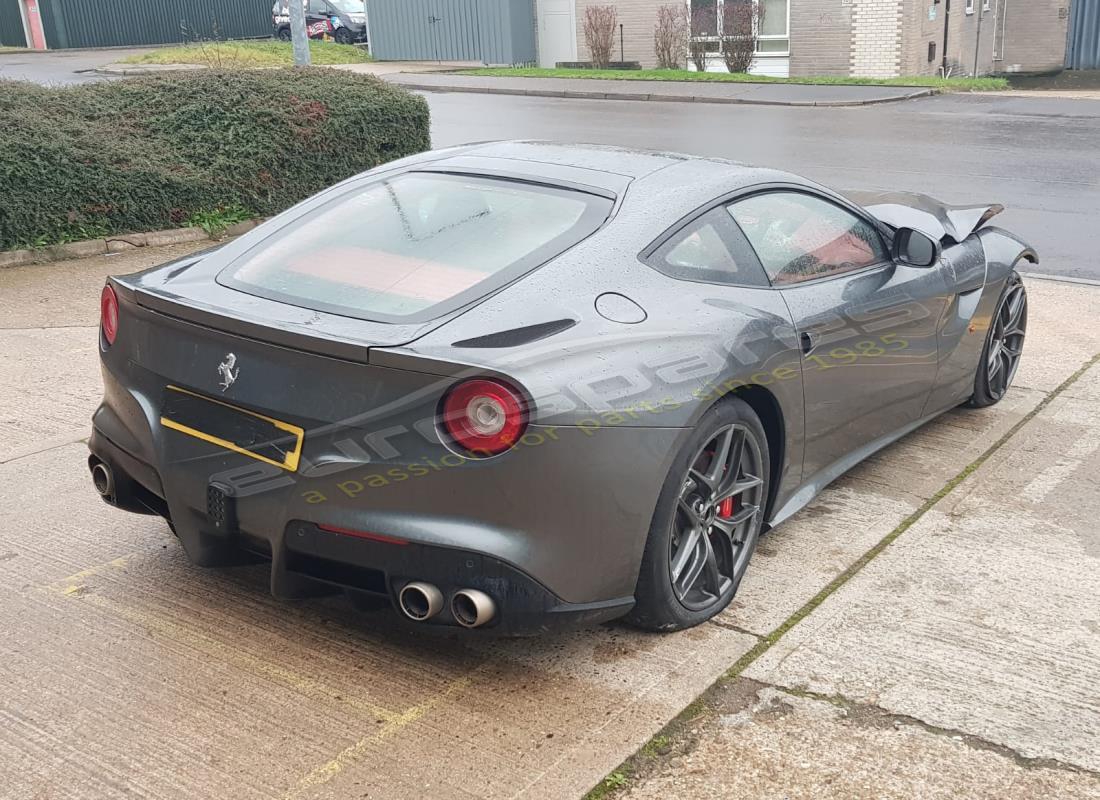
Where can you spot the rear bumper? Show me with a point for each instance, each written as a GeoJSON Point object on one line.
{"type": "Point", "coordinates": [418, 542]}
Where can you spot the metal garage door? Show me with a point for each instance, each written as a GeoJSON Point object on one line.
{"type": "Point", "coordinates": [108, 23]}
{"type": "Point", "coordinates": [1083, 46]}
{"type": "Point", "coordinates": [11, 25]}
{"type": "Point", "coordinates": [489, 31]}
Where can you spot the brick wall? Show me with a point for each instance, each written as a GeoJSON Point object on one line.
{"type": "Point", "coordinates": [964, 40]}
{"type": "Point", "coordinates": [637, 17]}
{"type": "Point", "coordinates": [917, 31]}
{"type": "Point", "coordinates": [1034, 35]}
{"type": "Point", "coordinates": [876, 38]}
{"type": "Point", "coordinates": [883, 38]}
{"type": "Point", "coordinates": [821, 37]}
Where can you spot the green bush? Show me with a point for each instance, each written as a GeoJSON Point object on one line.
{"type": "Point", "coordinates": [158, 151]}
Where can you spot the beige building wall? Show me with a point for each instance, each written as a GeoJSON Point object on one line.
{"type": "Point", "coordinates": [821, 37]}
{"type": "Point", "coordinates": [637, 17]}
{"type": "Point", "coordinates": [1034, 36]}
{"type": "Point", "coordinates": [886, 38]}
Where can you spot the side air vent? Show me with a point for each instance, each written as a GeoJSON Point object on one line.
{"type": "Point", "coordinates": [514, 337]}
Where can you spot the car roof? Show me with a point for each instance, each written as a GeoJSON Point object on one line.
{"type": "Point", "coordinates": [623, 161]}
{"type": "Point", "coordinates": [605, 167]}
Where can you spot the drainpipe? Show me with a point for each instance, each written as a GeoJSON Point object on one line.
{"type": "Point", "coordinates": [946, 18]}
{"type": "Point", "coordinates": [978, 35]}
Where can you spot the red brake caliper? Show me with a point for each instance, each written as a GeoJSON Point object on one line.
{"type": "Point", "coordinates": [725, 508]}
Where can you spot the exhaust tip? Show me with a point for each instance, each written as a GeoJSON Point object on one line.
{"type": "Point", "coordinates": [472, 608]}
{"type": "Point", "coordinates": [103, 480]}
{"type": "Point", "coordinates": [420, 601]}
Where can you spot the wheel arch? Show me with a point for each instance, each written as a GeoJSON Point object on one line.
{"type": "Point", "coordinates": [1003, 251]}
{"type": "Point", "coordinates": [766, 406]}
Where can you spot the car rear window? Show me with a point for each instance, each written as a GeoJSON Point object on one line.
{"type": "Point", "coordinates": [416, 245]}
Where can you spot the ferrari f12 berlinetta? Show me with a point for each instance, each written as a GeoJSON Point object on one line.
{"type": "Point", "coordinates": [515, 384]}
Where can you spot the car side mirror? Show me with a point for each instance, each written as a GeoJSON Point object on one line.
{"type": "Point", "coordinates": [915, 248]}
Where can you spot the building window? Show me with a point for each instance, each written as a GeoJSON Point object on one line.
{"type": "Point", "coordinates": [775, 27]}
{"type": "Point", "coordinates": [969, 6]}
{"type": "Point", "coordinates": [773, 38]}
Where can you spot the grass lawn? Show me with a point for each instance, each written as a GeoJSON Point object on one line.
{"type": "Point", "coordinates": [948, 84]}
{"type": "Point", "coordinates": [259, 53]}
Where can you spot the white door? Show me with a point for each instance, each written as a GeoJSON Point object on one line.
{"type": "Point", "coordinates": [557, 32]}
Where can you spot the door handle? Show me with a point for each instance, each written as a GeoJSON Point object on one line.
{"type": "Point", "coordinates": [806, 342]}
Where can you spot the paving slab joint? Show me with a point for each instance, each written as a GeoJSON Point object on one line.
{"type": "Point", "coordinates": [870, 715]}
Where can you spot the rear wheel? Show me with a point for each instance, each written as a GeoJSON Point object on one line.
{"type": "Point", "coordinates": [283, 34]}
{"type": "Point", "coordinates": [706, 523]}
{"type": "Point", "coordinates": [1003, 345]}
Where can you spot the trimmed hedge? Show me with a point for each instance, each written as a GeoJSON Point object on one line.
{"type": "Point", "coordinates": [153, 152]}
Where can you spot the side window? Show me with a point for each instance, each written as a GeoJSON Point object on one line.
{"type": "Point", "coordinates": [318, 7]}
{"type": "Point", "coordinates": [799, 237]}
{"type": "Point", "coordinates": [709, 249]}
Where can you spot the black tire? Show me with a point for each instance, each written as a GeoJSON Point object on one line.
{"type": "Point", "coordinates": [1003, 345]}
{"type": "Point", "coordinates": [688, 509]}
{"type": "Point", "coordinates": [344, 36]}
{"type": "Point", "coordinates": [283, 34]}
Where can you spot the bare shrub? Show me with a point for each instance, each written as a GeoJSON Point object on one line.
{"type": "Point", "coordinates": [671, 36]}
{"type": "Point", "coordinates": [599, 34]}
{"type": "Point", "coordinates": [741, 21]}
{"type": "Point", "coordinates": [704, 22]}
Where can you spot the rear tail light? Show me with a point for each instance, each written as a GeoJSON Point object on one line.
{"type": "Point", "coordinates": [108, 314]}
{"type": "Point", "coordinates": [484, 416]}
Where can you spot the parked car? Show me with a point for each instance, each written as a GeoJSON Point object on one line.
{"type": "Point", "coordinates": [342, 20]}
{"type": "Point", "coordinates": [515, 384]}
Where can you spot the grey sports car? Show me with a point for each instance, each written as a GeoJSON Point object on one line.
{"type": "Point", "coordinates": [517, 384]}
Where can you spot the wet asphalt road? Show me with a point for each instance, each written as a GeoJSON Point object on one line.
{"type": "Point", "coordinates": [1039, 157]}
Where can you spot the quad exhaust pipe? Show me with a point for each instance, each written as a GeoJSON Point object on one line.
{"type": "Point", "coordinates": [420, 601]}
{"type": "Point", "coordinates": [472, 608]}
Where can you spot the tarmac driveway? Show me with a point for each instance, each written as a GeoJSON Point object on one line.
{"type": "Point", "coordinates": [61, 66]}
{"type": "Point", "coordinates": [130, 672]}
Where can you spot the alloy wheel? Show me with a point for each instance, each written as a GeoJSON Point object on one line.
{"type": "Point", "coordinates": [1006, 341]}
{"type": "Point", "coordinates": [716, 517]}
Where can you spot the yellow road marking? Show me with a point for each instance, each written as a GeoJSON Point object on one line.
{"type": "Point", "coordinates": [75, 582]}
{"type": "Point", "coordinates": [393, 722]}
{"type": "Point", "coordinates": [217, 650]}
{"type": "Point", "coordinates": [349, 755]}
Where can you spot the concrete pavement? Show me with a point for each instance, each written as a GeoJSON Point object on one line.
{"type": "Point", "coordinates": [131, 672]}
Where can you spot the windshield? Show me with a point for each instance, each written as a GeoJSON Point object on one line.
{"type": "Point", "coordinates": [413, 246]}
{"type": "Point", "coordinates": [349, 6]}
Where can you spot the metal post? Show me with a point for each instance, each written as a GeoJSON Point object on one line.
{"type": "Point", "coordinates": [370, 39]}
{"type": "Point", "coordinates": [622, 58]}
{"type": "Point", "coordinates": [298, 38]}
